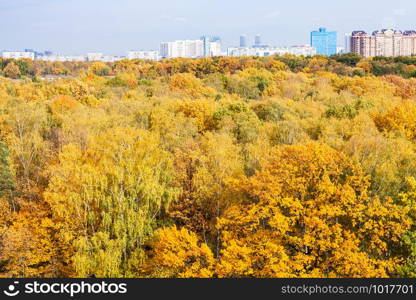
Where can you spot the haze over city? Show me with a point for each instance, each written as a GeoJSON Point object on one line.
{"type": "Point", "coordinates": [113, 27]}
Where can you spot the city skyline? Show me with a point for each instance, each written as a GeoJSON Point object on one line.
{"type": "Point", "coordinates": [114, 27]}
{"type": "Point", "coordinates": [384, 42]}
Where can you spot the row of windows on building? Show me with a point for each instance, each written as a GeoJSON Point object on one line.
{"type": "Point", "coordinates": [204, 47]}
{"type": "Point", "coordinates": [386, 42]}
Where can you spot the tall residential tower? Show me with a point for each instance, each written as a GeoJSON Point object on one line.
{"type": "Point", "coordinates": [324, 41]}
{"type": "Point", "coordinates": [387, 42]}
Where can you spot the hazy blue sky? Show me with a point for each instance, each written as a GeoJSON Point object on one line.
{"type": "Point", "coordinates": [115, 26]}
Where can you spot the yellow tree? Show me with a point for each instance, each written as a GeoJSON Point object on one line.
{"type": "Point", "coordinates": [107, 198]}
{"type": "Point", "coordinates": [190, 86]}
{"type": "Point", "coordinates": [100, 69]}
{"type": "Point", "coordinates": [307, 213]}
{"type": "Point", "coordinates": [12, 70]}
{"type": "Point", "coordinates": [28, 248]}
{"type": "Point", "coordinates": [219, 162]}
{"type": "Point", "coordinates": [24, 127]}
{"type": "Point", "coordinates": [202, 170]}
{"type": "Point", "coordinates": [401, 118]}
{"type": "Point", "coordinates": [408, 199]}
{"type": "Point", "coordinates": [200, 111]}
{"type": "Point", "coordinates": [179, 253]}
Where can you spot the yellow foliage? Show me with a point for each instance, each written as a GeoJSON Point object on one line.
{"type": "Point", "coordinates": [107, 197]}
{"type": "Point", "coordinates": [28, 245]}
{"type": "Point", "coordinates": [190, 86]}
{"type": "Point", "coordinates": [401, 118]}
{"type": "Point", "coordinates": [201, 111]}
{"type": "Point", "coordinates": [308, 214]}
{"type": "Point", "coordinates": [279, 166]}
{"type": "Point", "coordinates": [63, 104]}
{"type": "Point", "coordinates": [179, 253]}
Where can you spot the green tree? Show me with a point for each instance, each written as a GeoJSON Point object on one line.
{"type": "Point", "coordinates": [7, 186]}
{"type": "Point", "coordinates": [349, 59]}
{"type": "Point", "coordinates": [106, 200]}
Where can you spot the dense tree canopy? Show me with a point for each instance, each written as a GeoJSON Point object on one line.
{"type": "Point", "coordinates": [279, 166]}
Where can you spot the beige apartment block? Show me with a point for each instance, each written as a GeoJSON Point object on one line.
{"type": "Point", "coordinates": [387, 42]}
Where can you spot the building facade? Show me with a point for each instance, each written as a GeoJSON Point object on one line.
{"type": "Point", "coordinates": [216, 49]}
{"type": "Point", "coordinates": [204, 47]}
{"type": "Point", "coordinates": [183, 48]}
{"type": "Point", "coordinates": [150, 55]}
{"type": "Point", "coordinates": [97, 56]}
{"type": "Point", "coordinates": [386, 42]}
{"type": "Point", "coordinates": [325, 42]}
{"type": "Point", "coordinates": [305, 50]}
{"type": "Point", "coordinates": [206, 40]}
{"type": "Point", "coordinates": [409, 42]}
{"type": "Point", "coordinates": [62, 58]}
{"type": "Point", "coordinates": [19, 55]}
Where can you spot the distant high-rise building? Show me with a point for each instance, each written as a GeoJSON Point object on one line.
{"type": "Point", "coordinates": [347, 42]}
{"type": "Point", "coordinates": [324, 41]}
{"type": "Point", "coordinates": [243, 41]}
{"type": "Point", "coordinates": [183, 48]}
{"type": "Point", "coordinates": [207, 45]}
{"type": "Point", "coordinates": [257, 40]}
{"type": "Point", "coordinates": [387, 42]}
{"type": "Point", "coordinates": [215, 46]}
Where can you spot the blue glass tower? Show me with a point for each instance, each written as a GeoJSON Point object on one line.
{"type": "Point", "coordinates": [324, 41]}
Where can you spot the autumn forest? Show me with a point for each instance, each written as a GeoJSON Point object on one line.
{"type": "Point", "coordinates": [229, 167]}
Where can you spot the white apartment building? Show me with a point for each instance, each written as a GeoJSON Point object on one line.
{"type": "Point", "coordinates": [97, 56]}
{"type": "Point", "coordinates": [182, 48]}
{"type": "Point", "coordinates": [215, 49]}
{"type": "Point", "coordinates": [62, 58]}
{"type": "Point", "coordinates": [111, 58]}
{"type": "Point", "coordinates": [304, 50]}
{"type": "Point", "coordinates": [18, 55]}
{"type": "Point", "coordinates": [150, 55]}
{"type": "Point", "coordinates": [243, 51]}
{"type": "Point", "coordinates": [408, 43]}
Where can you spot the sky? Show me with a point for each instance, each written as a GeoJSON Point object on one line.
{"type": "Point", "coordinates": [117, 26]}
